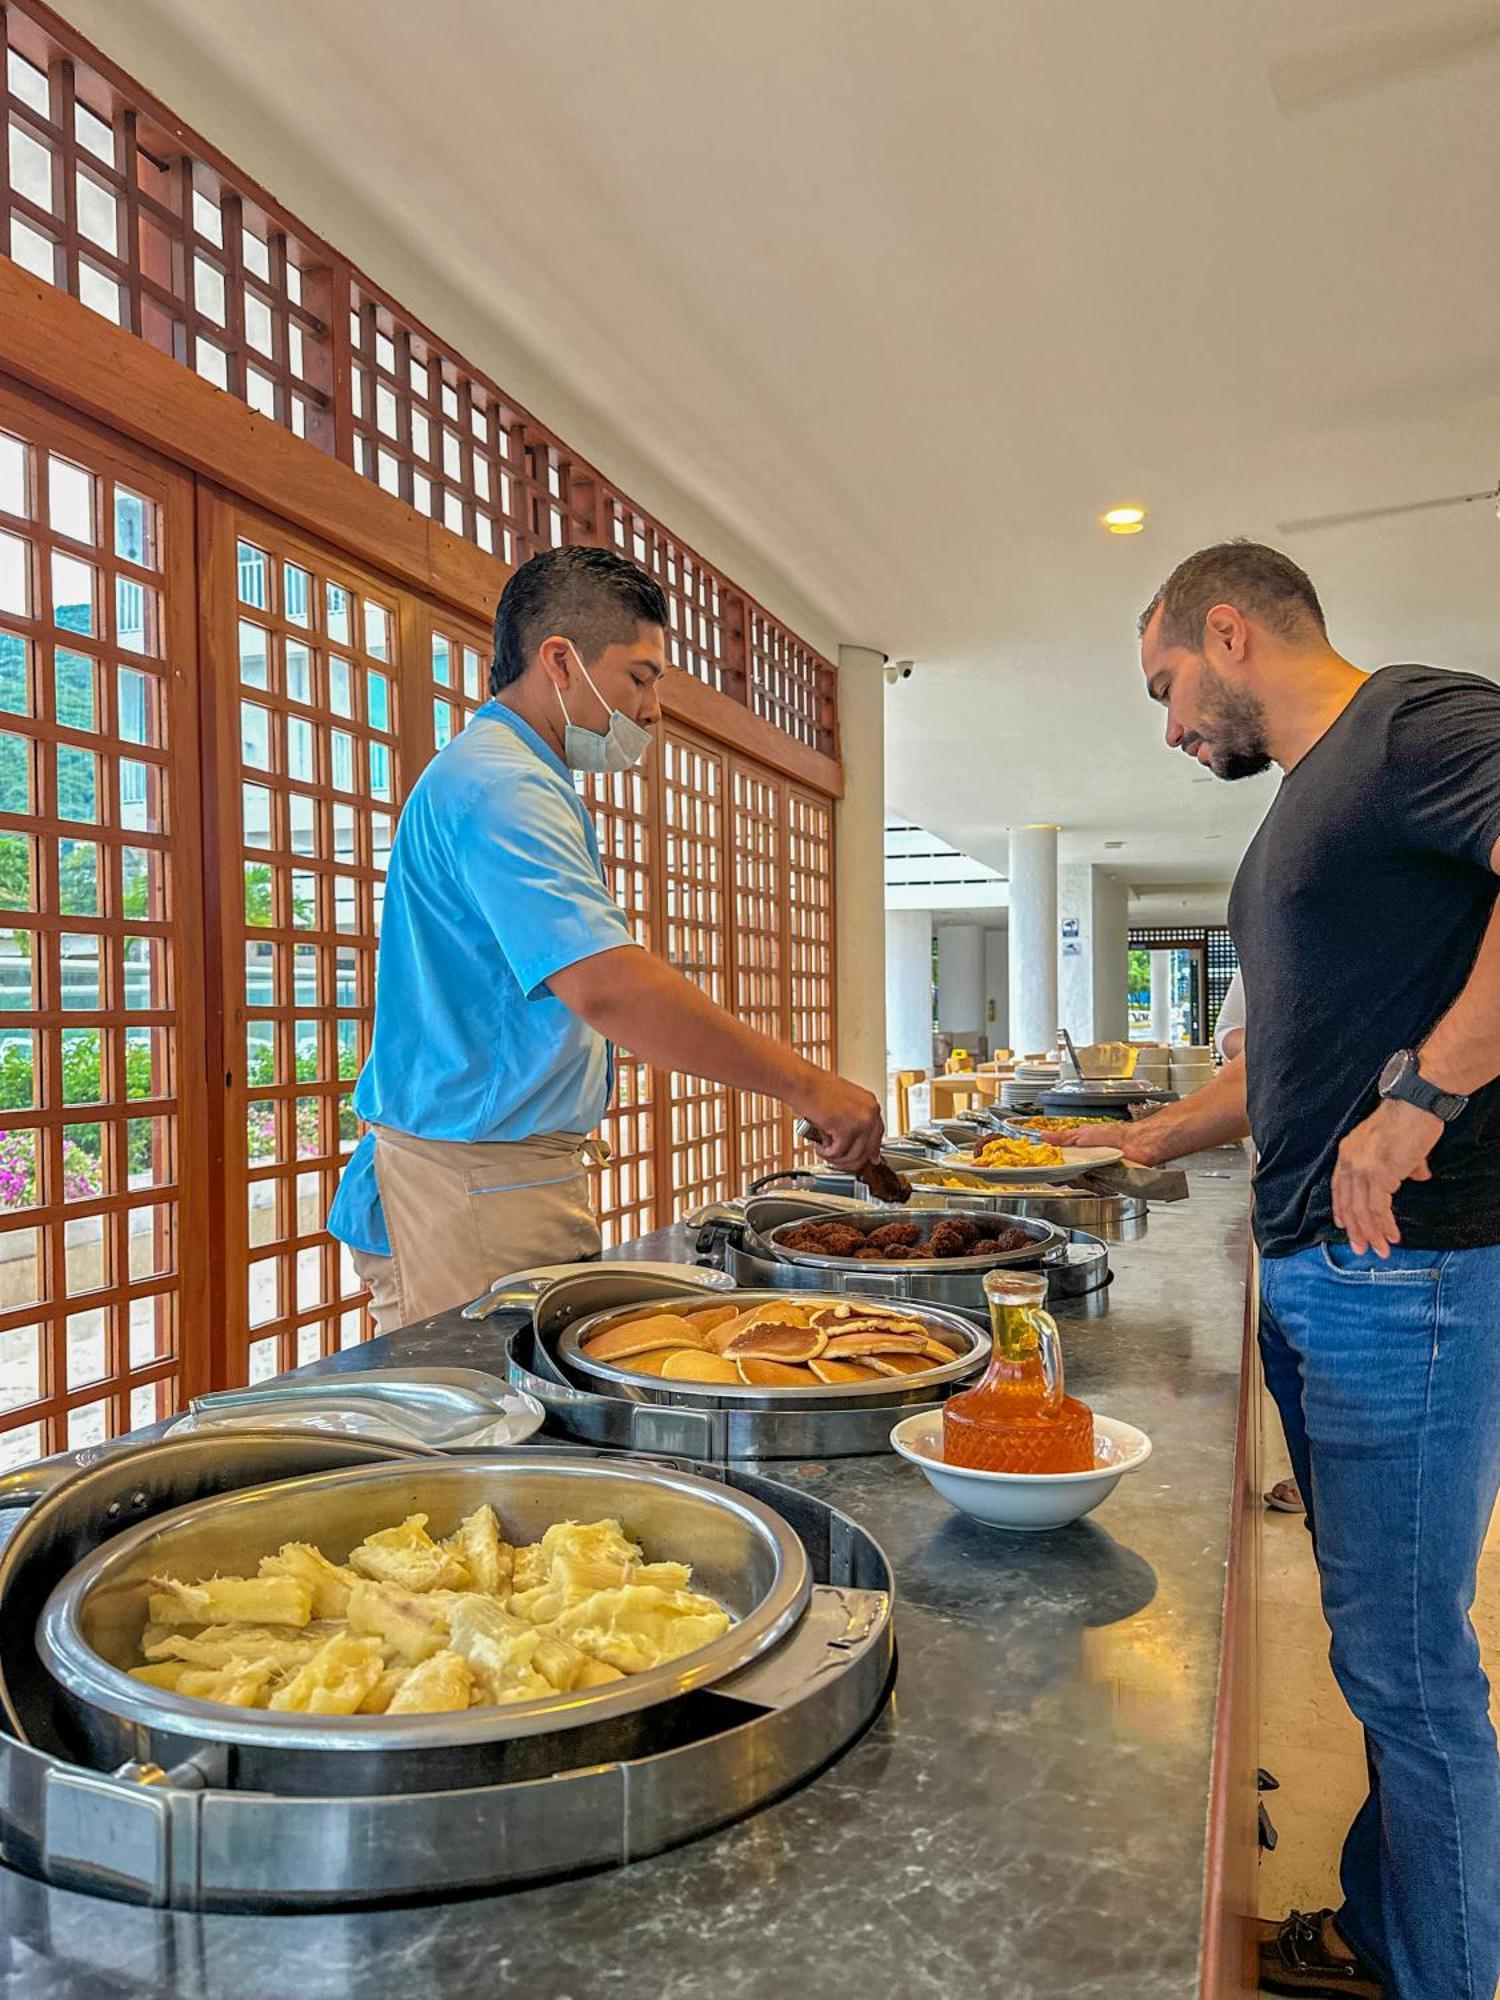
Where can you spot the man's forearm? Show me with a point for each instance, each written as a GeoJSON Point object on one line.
{"type": "Point", "coordinates": [1463, 1051]}
{"type": "Point", "coordinates": [1210, 1117]}
{"type": "Point", "coordinates": [639, 1001]}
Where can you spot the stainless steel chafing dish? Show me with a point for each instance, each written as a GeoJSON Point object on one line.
{"type": "Point", "coordinates": [335, 1823]}
{"type": "Point", "coordinates": [1117, 1215]}
{"type": "Point", "coordinates": [745, 1237]}
{"type": "Point", "coordinates": [692, 1419]}
{"type": "Point", "coordinates": [967, 1344]}
{"type": "Point", "coordinates": [90, 1629]}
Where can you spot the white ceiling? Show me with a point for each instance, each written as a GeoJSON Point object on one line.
{"type": "Point", "coordinates": [904, 297]}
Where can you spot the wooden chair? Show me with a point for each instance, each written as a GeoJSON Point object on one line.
{"type": "Point", "coordinates": [901, 1083]}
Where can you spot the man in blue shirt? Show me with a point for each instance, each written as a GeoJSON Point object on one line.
{"type": "Point", "coordinates": [507, 971]}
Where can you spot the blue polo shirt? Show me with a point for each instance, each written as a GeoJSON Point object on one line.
{"type": "Point", "coordinates": [494, 884]}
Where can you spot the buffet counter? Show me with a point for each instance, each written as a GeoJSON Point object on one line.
{"type": "Point", "coordinates": [1057, 1804]}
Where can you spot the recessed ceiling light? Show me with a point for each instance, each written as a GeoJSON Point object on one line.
{"type": "Point", "coordinates": [1124, 520]}
{"type": "Point", "coordinates": [1114, 843]}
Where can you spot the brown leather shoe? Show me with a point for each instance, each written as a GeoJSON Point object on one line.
{"type": "Point", "coordinates": [1303, 1954]}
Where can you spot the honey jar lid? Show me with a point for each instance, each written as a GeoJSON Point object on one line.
{"type": "Point", "coordinates": [1010, 1287]}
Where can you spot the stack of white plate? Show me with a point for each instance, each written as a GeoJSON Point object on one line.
{"type": "Point", "coordinates": [1020, 1092]}
{"type": "Point", "coordinates": [1153, 1065]}
{"type": "Point", "coordinates": [1192, 1067]}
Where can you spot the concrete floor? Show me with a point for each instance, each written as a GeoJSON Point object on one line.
{"type": "Point", "coordinates": [1307, 1736]}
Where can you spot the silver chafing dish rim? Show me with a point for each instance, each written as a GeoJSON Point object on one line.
{"type": "Point", "coordinates": [123, 1562]}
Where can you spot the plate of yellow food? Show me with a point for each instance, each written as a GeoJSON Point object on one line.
{"type": "Point", "coordinates": [1022, 1161]}
{"type": "Point", "coordinates": [1034, 1123]}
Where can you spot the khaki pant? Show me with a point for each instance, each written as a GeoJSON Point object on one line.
{"type": "Point", "coordinates": [460, 1216]}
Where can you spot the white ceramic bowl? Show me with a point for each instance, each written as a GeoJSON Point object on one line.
{"type": "Point", "coordinates": [1028, 1501]}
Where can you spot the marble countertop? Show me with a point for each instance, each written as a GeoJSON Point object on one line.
{"type": "Point", "coordinates": [1027, 1818]}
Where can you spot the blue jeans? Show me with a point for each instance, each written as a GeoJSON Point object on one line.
{"type": "Point", "coordinates": [1387, 1376]}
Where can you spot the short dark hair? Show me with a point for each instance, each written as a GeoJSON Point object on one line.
{"type": "Point", "coordinates": [591, 596]}
{"type": "Point", "coordinates": [1259, 581]}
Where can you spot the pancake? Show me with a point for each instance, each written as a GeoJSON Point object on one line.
{"type": "Point", "coordinates": [639, 1336]}
{"type": "Point", "coordinates": [842, 1371]}
{"type": "Point", "coordinates": [772, 1375]}
{"type": "Point", "coordinates": [687, 1364]}
{"type": "Point", "coordinates": [770, 1341]}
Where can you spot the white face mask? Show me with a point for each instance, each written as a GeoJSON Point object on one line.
{"type": "Point", "coordinates": [617, 748]}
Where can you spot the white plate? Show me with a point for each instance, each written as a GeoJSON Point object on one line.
{"type": "Point", "coordinates": [1075, 1160]}
{"type": "Point", "coordinates": [1026, 1501]}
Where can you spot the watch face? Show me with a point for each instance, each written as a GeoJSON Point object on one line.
{"type": "Point", "coordinates": [1395, 1068]}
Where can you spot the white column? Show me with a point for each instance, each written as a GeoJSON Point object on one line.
{"type": "Point", "coordinates": [1033, 938]}
{"type": "Point", "coordinates": [1161, 996]}
{"type": "Point", "coordinates": [997, 989]}
{"type": "Point", "coordinates": [908, 989]}
{"type": "Point", "coordinates": [860, 869]}
{"type": "Point", "coordinates": [960, 993]}
{"type": "Point", "coordinates": [1092, 907]}
{"type": "Point", "coordinates": [1075, 950]}
{"type": "Point", "coordinates": [1111, 958]}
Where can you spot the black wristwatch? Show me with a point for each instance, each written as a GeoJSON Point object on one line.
{"type": "Point", "coordinates": [1402, 1079]}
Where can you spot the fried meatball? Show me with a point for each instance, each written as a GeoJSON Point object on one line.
{"type": "Point", "coordinates": [1012, 1239]}
{"type": "Point", "coordinates": [840, 1239]}
{"type": "Point", "coordinates": [895, 1235]}
{"type": "Point", "coordinates": [985, 1247]}
{"type": "Point", "coordinates": [870, 1256]}
{"type": "Point", "coordinates": [801, 1238]}
{"type": "Point", "coordinates": [949, 1239]}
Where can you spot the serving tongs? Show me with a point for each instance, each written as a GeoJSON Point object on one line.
{"type": "Point", "coordinates": [436, 1406]}
{"type": "Point", "coordinates": [886, 1186]}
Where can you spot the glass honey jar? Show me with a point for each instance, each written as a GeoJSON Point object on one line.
{"type": "Point", "coordinates": [1018, 1418]}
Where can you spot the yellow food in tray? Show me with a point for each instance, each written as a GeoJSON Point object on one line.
{"type": "Point", "coordinates": [1017, 1153]}
{"type": "Point", "coordinates": [412, 1625]}
{"type": "Point", "coordinates": [1038, 1123]}
{"type": "Point", "coordinates": [782, 1343]}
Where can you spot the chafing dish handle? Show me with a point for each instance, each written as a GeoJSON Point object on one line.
{"type": "Point", "coordinates": [27, 1484]}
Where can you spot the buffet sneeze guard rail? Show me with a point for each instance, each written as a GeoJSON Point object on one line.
{"type": "Point", "coordinates": [208, 723]}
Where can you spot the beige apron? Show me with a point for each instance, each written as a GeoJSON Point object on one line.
{"type": "Point", "coordinates": [460, 1216]}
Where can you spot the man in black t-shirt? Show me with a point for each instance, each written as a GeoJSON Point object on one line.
{"type": "Point", "coordinates": [1364, 915]}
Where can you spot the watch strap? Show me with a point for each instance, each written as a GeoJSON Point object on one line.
{"type": "Point", "coordinates": [1411, 1087]}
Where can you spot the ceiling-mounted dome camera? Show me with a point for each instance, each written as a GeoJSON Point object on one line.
{"type": "Point", "coordinates": [899, 670]}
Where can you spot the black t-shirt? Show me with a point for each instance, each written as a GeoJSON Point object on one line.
{"type": "Point", "coordinates": [1357, 913]}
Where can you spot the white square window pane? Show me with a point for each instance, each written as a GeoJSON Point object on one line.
{"type": "Point", "coordinates": [259, 330]}
{"type": "Point", "coordinates": [98, 214]}
{"type": "Point", "coordinates": [99, 292]}
{"type": "Point", "coordinates": [31, 167]}
{"type": "Point", "coordinates": [256, 253]}
{"type": "Point", "coordinates": [27, 82]}
{"type": "Point", "coordinates": [212, 363]}
{"type": "Point", "coordinates": [208, 289]}
{"type": "Point", "coordinates": [33, 251]}
{"type": "Point", "coordinates": [207, 219]}
{"type": "Point", "coordinates": [94, 134]}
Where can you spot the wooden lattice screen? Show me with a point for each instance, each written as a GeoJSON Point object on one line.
{"type": "Point", "coordinates": [106, 195]}
{"type": "Point", "coordinates": [102, 1143]}
{"type": "Point", "coordinates": [208, 716]}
